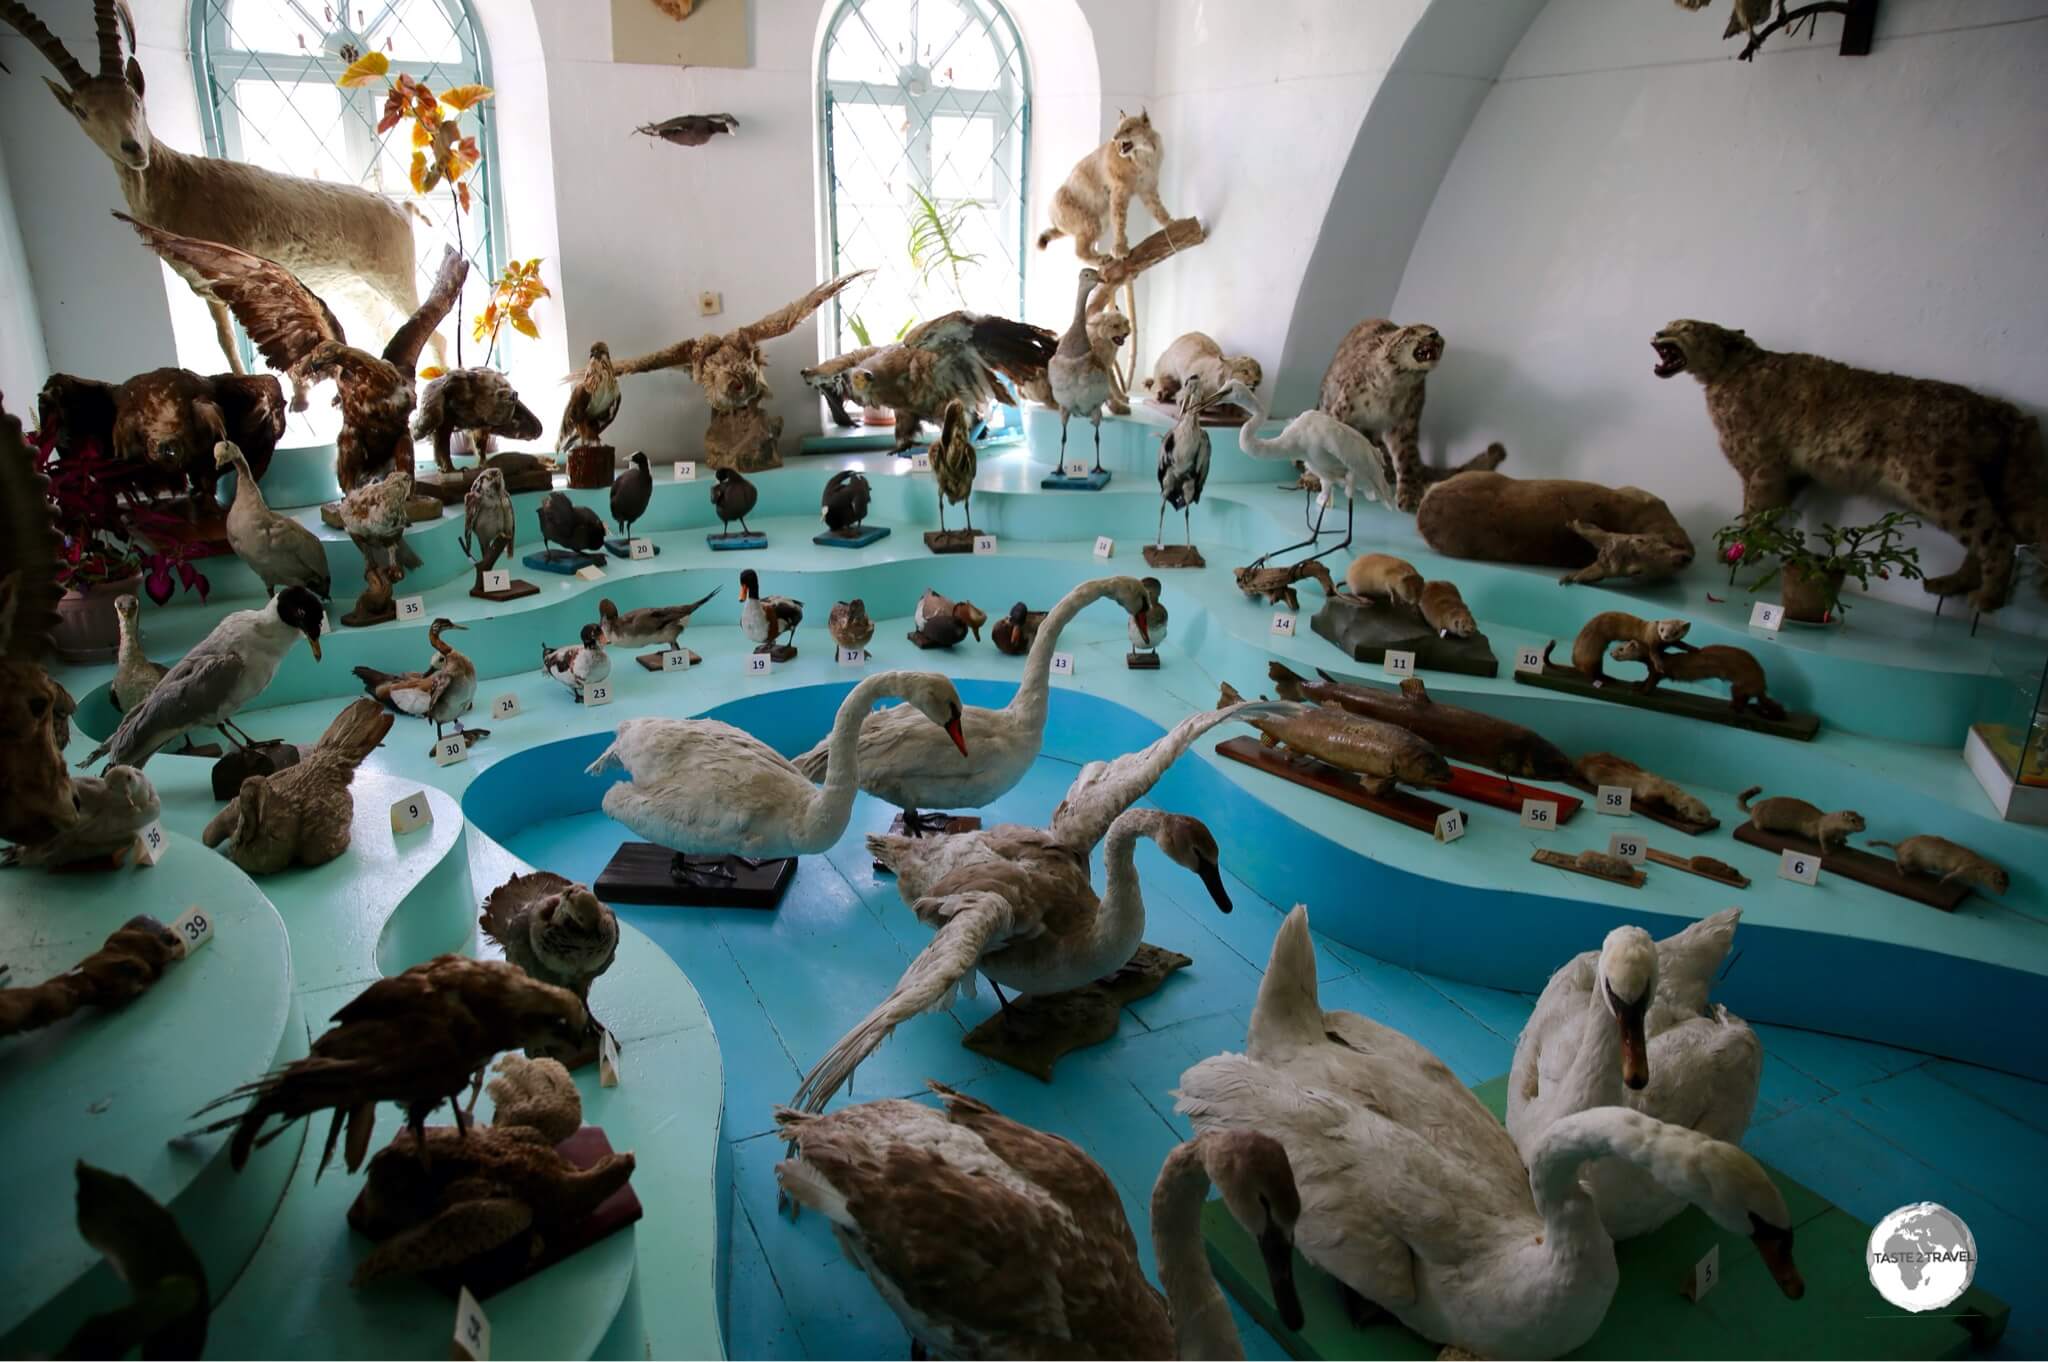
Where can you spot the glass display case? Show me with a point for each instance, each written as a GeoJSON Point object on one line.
{"type": "Point", "coordinates": [2008, 743]}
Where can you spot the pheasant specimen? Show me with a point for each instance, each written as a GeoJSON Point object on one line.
{"type": "Point", "coordinates": [958, 357]}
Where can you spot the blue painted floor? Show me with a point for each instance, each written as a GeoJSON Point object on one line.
{"type": "Point", "coordinates": [1868, 1127]}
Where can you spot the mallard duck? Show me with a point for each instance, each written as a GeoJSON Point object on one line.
{"type": "Point", "coordinates": [480, 401]}
{"type": "Point", "coordinates": [632, 489]}
{"type": "Point", "coordinates": [849, 625]}
{"type": "Point", "coordinates": [278, 549]}
{"type": "Point", "coordinates": [1014, 632]}
{"type": "Point", "coordinates": [577, 528]}
{"type": "Point", "coordinates": [733, 498]}
{"type": "Point", "coordinates": [1081, 383]}
{"type": "Point", "coordinates": [443, 692]}
{"type": "Point", "coordinates": [651, 625]}
{"type": "Point", "coordinates": [942, 623]}
{"type": "Point", "coordinates": [578, 665]}
{"type": "Point", "coordinates": [763, 619]}
{"type": "Point", "coordinates": [593, 402]}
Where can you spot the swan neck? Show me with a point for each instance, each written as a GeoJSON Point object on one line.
{"type": "Point", "coordinates": [1029, 703]}
{"type": "Point", "coordinates": [1122, 914]}
{"type": "Point", "coordinates": [832, 804]}
{"type": "Point", "coordinates": [1594, 1078]}
{"type": "Point", "coordinates": [1202, 1326]}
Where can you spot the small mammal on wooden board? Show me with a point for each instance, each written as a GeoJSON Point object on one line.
{"type": "Point", "coordinates": [1796, 817]}
{"type": "Point", "coordinates": [1616, 626]}
{"type": "Point", "coordinates": [1445, 611]}
{"type": "Point", "coordinates": [1946, 860]}
{"type": "Point", "coordinates": [1650, 790]}
{"type": "Point", "coordinates": [1715, 662]}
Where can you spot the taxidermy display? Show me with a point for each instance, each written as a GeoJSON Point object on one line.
{"type": "Point", "coordinates": [1108, 330]}
{"type": "Point", "coordinates": [1644, 559]}
{"type": "Point", "coordinates": [954, 465]}
{"type": "Point", "coordinates": [843, 505]}
{"type": "Point", "coordinates": [593, 402]}
{"type": "Point", "coordinates": [1097, 195]}
{"type": "Point", "coordinates": [1947, 861]}
{"type": "Point", "coordinates": [729, 368]}
{"type": "Point", "coordinates": [303, 815]}
{"type": "Point", "coordinates": [1275, 585]}
{"type": "Point", "coordinates": [1381, 755]}
{"type": "Point", "coordinates": [578, 665]}
{"type": "Point", "coordinates": [1375, 386]}
{"type": "Point", "coordinates": [36, 796]}
{"type": "Point", "coordinates": [632, 489]}
{"type": "Point", "coordinates": [169, 421]}
{"type": "Point", "coordinates": [849, 625]}
{"type": "Point", "coordinates": [765, 619]}
{"type": "Point", "coordinates": [143, 1247]}
{"type": "Point", "coordinates": [441, 1198]}
{"type": "Point", "coordinates": [1184, 467]}
{"type": "Point", "coordinates": [1013, 905]}
{"type": "Point", "coordinates": [334, 236]}
{"type": "Point", "coordinates": [489, 525]}
{"type": "Point", "coordinates": [134, 957]}
{"type": "Point", "coordinates": [960, 356]}
{"type": "Point", "coordinates": [374, 517]}
{"type": "Point", "coordinates": [1444, 610]}
{"type": "Point", "coordinates": [1972, 465]}
{"type": "Point", "coordinates": [941, 623]}
{"type": "Point", "coordinates": [1459, 734]}
{"type": "Point", "coordinates": [706, 790]}
{"type": "Point", "coordinates": [1791, 817]}
{"type": "Point", "coordinates": [1646, 790]}
{"type": "Point", "coordinates": [1617, 626]}
{"type": "Point", "coordinates": [1715, 662]}
{"type": "Point", "coordinates": [135, 676]}
{"type": "Point", "coordinates": [558, 932]}
{"type": "Point", "coordinates": [578, 529]}
{"type": "Point", "coordinates": [278, 549]}
{"type": "Point", "coordinates": [417, 1038]}
{"type": "Point", "coordinates": [1196, 355]}
{"type": "Point", "coordinates": [902, 764]}
{"type": "Point", "coordinates": [112, 809]}
{"type": "Point", "coordinates": [1383, 577]}
{"type": "Point", "coordinates": [1492, 518]}
{"type": "Point", "coordinates": [479, 401]}
{"type": "Point", "coordinates": [1631, 1025]}
{"type": "Point", "coordinates": [1081, 383]}
{"type": "Point", "coordinates": [1523, 1269]}
{"type": "Point", "coordinates": [224, 671]}
{"type": "Point", "coordinates": [651, 626]}
{"type": "Point", "coordinates": [1147, 630]}
{"type": "Point", "coordinates": [690, 130]}
{"type": "Point", "coordinates": [733, 498]}
{"type": "Point", "coordinates": [442, 693]}
{"type": "Point", "coordinates": [1057, 1270]}
{"type": "Point", "coordinates": [297, 334]}
{"type": "Point", "coordinates": [1338, 455]}
{"type": "Point", "coordinates": [1013, 633]}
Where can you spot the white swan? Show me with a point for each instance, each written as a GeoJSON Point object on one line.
{"type": "Point", "coordinates": [1015, 905]}
{"type": "Point", "coordinates": [988, 1238]}
{"type": "Point", "coordinates": [705, 788]}
{"type": "Point", "coordinates": [1414, 1198]}
{"type": "Point", "coordinates": [905, 763]}
{"type": "Point", "coordinates": [1705, 1064]}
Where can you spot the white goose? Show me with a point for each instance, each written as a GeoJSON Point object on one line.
{"type": "Point", "coordinates": [704, 788]}
{"type": "Point", "coordinates": [1704, 1063]}
{"type": "Point", "coordinates": [906, 764]}
{"type": "Point", "coordinates": [1415, 1199]}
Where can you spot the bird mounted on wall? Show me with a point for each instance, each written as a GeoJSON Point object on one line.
{"type": "Point", "coordinates": [480, 401]}
{"type": "Point", "coordinates": [690, 130]}
{"type": "Point", "coordinates": [957, 357]}
{"type": "Point", "coordinates": [593, 401]}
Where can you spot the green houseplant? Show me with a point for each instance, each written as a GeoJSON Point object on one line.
{"type": "Point", "coordinates": [1811, 569]}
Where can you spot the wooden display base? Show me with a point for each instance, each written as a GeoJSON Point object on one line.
{"type": "Point", "coordinates": [623, 548]}
{"type": "Point", "coordinates": [565, 562]}
{"type": "Point", "coordinates": [1092, 481]}
{"type": "Point", "coordinates": [592, 466]}
{"type": "Point", "coordinates": [1624, 692]}
{"type": "Point", "coordinates": [1174, 556]}
{"type": "Point", "coordinates": [420, 508]}
{"type": "Point", "coordinates": [1679, 824]}
{"type": "Point", "coordinates": [950, 541]}
{"type": "Point", "coordinates": [520, 587]}
{"type": "Point", "coordinates": [1734, 879]}
{"type": "Point", "coordinates": [640, 872]}
{"type": "Point", "coordinates": [1365, 630]}
{"type": "Point", "coordinates": [448, 488]}
{"type": "Point", "coordinates": [264, 758]}
{"type": "Point", "coordinates": [1562, 861]}
{"type": "Point", "coordinates": [851, 539]}
{"type": "Point", "coordinates": [1032, 1034]}
{"type": "Point", "coordinates": [1500, 792]}
{"type": "Point", "coordinates": [653, 661]}
{"type": "Point", "coordinates": [1142, 662]}
{"type": "Point", "coordinates": [955, 822]}
{"type": "Point", "coordinates": [737, 539]}
{"type": "Point", "coordinates": [1744, 1315]}
{"type": "Point", "coordinates": [1402, 807]}
{"type": "Point", "coordinates": [363, 616]}
{"type": "Point", "coordinates": [1879, 872]}
{"type": "Point", "coordinates": [777, 653]}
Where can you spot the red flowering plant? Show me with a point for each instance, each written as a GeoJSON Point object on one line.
{"type": "Point", "coordinates": [107, 533]}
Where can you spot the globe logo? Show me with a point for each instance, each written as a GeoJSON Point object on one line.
{"type": "Point", "coordinates": [1922, 1257]}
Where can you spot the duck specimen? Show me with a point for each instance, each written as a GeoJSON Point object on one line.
{"type": "Point", "coordinates": [1416, 1200]}
{"type": "Point", "coordinates": [1014, 905]}
{"type": "Point", "coordinates": [135, 676]}
{"type": "Point", "coordinates": [480, 401]}
{"type": "Point", "coordinates": [991, 1239]}
{"type": "Point", "coordinates": [112, 809]}
{"type": "Point", "coordinates": [844, 504]}
{"type": "Point", "coordinates": [443, 692]}
{"type": "Point", "coordinates": [1184, 462]}
{"type": "Point", "coordinates": [903, 767]}
{"type": "Point", "coordinates": [941, 623]}
{"type": "Point", "coordinates": [1148, 631]}
{"type": "Point", "coordinates": [577, 529]}
{"type": "Point", "coordinates": [706, 789]}
{"type": "Point", "coordinates": [278, 549]}
{"type": "Point", "coordinates": [374, 517]}
{"type": "Point", "coordinates": [488, 525]}
{"type": "Point", "coordinates": [417, 1038]}
{"type": "Point", "coordinates": [733, 498]}
{"type": "Point", "coordinates": [849, 625]}
{"type": "Point", "coordinates": [1014, 632]}
{"type": "Point", "coordinates": [297, 334]}
{"type": "Point", "coordinates": [632, 489]}
{"type": "Point", "coordinates": [1333, 451]}
{"type": "Point", "coordinates": [593, 402]}
{"type": "Point", "coordinates": [302, 815]}
{"type": "Point", "coordinates": [1682, 1058]}
{"type": "Point", "coordinates": [690, 130]}
{"type": "Point", "coordinates": [558, 932]}
{"type": "Point", "coordinates": [957, 357]}
{"type": "Point", "coordinates": [224, 671]}
{"type": "Point", "coordinates": [578, 665]}
{"type": "Point", "coordinates": [651, 626]}
{"type": "Point", "coordinates": [1081, 383]}
{"type": "Point", "coordinates": [764, 619]}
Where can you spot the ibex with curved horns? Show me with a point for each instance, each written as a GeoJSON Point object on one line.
{"type": "Point", "coordinates": [340, 240]}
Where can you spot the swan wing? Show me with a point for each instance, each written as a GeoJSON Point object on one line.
{"type": "Point", "coordinates": [1687, 963]}
{"type": "Point", "coordinates": [1704, 1075]}
{"type": "Point", "coordinates": [1543, 1052]}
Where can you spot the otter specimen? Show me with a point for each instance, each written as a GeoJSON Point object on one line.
{"type": "Point", "coordinates": [1796, 818]}
{"type": "Point", "coordinates": [1445, 611]}
{"type": "Point", "coordinates": [1616, 626]}
{"type": "Point", "coordinates": [1946, 860]}
{"type": "Point", "coordinates": [1715, 662]}
{"type": "Point", "coordinates": [1460, 734]}
{"type": "Point", "coordinates": [1651, 791]}
{"type": "Point", "coordinates": [1383, 576]}
{"type": "Point", "coordinates": [1380, 755]}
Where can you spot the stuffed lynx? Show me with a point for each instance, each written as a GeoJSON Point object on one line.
{"type": "Point", "coordinates": [1099, 191]}
{"type": "Point", "coordinates": [1375, 386]}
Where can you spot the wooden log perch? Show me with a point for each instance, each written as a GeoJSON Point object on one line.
{"type": "Point", "coordinates": [1859, 18]}
{"type": "Point", "coordinates": [1179, 235]}
{"type": "Point", "coordinates": [122, 970]}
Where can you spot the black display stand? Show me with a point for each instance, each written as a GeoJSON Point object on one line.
{"type": "Point", "coordinates": [641, 872]}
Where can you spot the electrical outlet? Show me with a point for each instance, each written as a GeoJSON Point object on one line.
{"type": "Point", "coordinates": [709, 304]}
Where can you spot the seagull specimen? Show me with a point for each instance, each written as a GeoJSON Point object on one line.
{"type": "Point", "coordinates": [593, 402]}
{"type": "Point", "coordinates": [957, 357]}
{"type": "Point", "coordinates": [223, 672]}
{"type": "Point", "coordinates": [298, 334]}
{"type": "Point", "coordinates": [690, 130]}
{"type": "Point", "coordinates": [480, 401]}
{"type": "Point", "coordinates": [277, 548]}
{"type": "Point", "coordinates": [443, 692]}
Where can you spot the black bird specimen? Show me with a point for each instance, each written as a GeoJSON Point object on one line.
{"type": "Point", "coordinates": [690, 130]}
{"type": "Point", "coordinates": [845, 502]}
{"type": "Point", "coordinates": [563, 522]}
{"type": "Point", "coordinates": [733, 497]}
{"type": "Point", "coordinates": [631, 491]}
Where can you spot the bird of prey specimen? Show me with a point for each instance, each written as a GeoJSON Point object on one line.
{"type": "Point", "coordinates": [480, 401]}
{"type": "Point", "coordinates": [957, 357]}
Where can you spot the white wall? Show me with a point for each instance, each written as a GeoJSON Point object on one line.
{"type": "Point", "coordinates": [1883, 210]}
{"type": "Point", "coordinates": [23, 361]}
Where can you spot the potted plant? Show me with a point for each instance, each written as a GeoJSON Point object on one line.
{"type": "Point", "coordinates": [105, 548]}
{"type": "Point", "coordinates": [1811, 569]}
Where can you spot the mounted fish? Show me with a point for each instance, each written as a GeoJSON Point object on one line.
{"type": "Point", "coordinates": [558, 932]}
{"type": "Point", "coordinates": [304, 816]}
{"type": "Point", "coordinates": [651, 626]}
{"type": "Point", "coordinates": [489, 529]}
{"type": "Point", "coordinates": [1360, 761]}
{"type": "Point", "coordinates": [443, 693]}
{"type": "Point", "coordinates": [962, 357]}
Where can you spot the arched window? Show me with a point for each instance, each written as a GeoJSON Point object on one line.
{"type": "Point", "coordinates": [267, 95]}
{"type": "Point", "coordinates": [925, 119]}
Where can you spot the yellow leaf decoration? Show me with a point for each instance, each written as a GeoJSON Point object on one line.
{"type": "Point", "coordinates": [466, 96]}
{"type": "Point", "coordinates": [420, 183]}
{"type": "Point", "coordinates": [432, 371]}
{"type": "Point", "coordinates": [462, 195]}
{"type": "Point", "coordinates": [363, 70]}
{"type": "Point", "coordinates": [422, 133]}
{"type": "Point", "coordinates": [523, 324]}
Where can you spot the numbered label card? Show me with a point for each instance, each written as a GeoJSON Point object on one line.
{"type": "Point", "coordinates": [638, 549]}
{"type": "Point", "coordinates": [758, 664]}
{"type": "Point", "coordinates": [1706, 1275]}
{"type": "Point", "coordinates": [598, 693]}
{"type": "Point", "coordinates": [194, 928]}
{"type": "Point", "coordinates": [411, 607]}
{"type": "Point", "coordinates": [607, 1059]}
{"type": "Point", "coordinates": [921, 462]}
{"type": "Point", "coordinates": [1800, 867]}
{"type": "Point", "coordinates": [1540, 814]}
{"type": "Point", "coordinates": [1062, 664]}
{"type": "Point", "coordinates": [1282, 625]}
{"type": "Point", "coordinates": [451, 749]}
{"type": "Point", "coordinates": [151, 844]}
{"type": "Point", "coordinates": [411, 813]}
{"type": "Point", "coordinates": [1105, 547]}
{"type": "Point", "coordinates": [1076, 468]}
{"type": "Point", "coordinates": [1528, 659]}
{"type": "Point", "coordinates": [497, 579]}
{"type": "Point", "coordinates": [984, 544]}
{"type": "Point", "coordinates": [853, 657]}
{"type": "Point", "coordinates": [504, 707]}
{"type": "Point", "coordinates": [675, 660]}
{"type": "Point", "coordinates": [593, 573]}
{"type": "Point", "coordinates": [1629, 847]}
{"type": "Point", "coordinates": [1617, 801]}
{"type": "Point", "coordinates": [472, 1330]}
{"type": "Point", "coordinates": [1398, 663]}
{"type": "Point", "coordinates": [1450, 825]}
{"type": "Point", "coordinates": [686, 470]}
{"type": "Point", "coordinates": [1764, 616]}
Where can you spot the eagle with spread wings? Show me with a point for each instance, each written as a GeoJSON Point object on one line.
{"type": "Point", "coordinates": [954, 358]}
{"type": "Point", "coordinates": [729, 367]}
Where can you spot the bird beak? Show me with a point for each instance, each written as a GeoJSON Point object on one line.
{"type": "Point", "coordinates": [1144, 630]}
{"type": "Point", "coordinates": [1212, 880]}
{"type": "Point", "coordinates": [453, 625]}
{"type": "Point", "coordinates": [1635, 1050]}
{"type": "Point", "coordinates": [954, 732]}
{"type": "Point", "coordinates": [1279, 1256]}
{"type": "Point", "coordinates": [313, 642]}
{"type": "Point", "coordinates": [1774, 1246]}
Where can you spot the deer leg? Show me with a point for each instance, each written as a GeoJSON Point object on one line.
{"type": "Point", "coordinates": [224, 329]}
